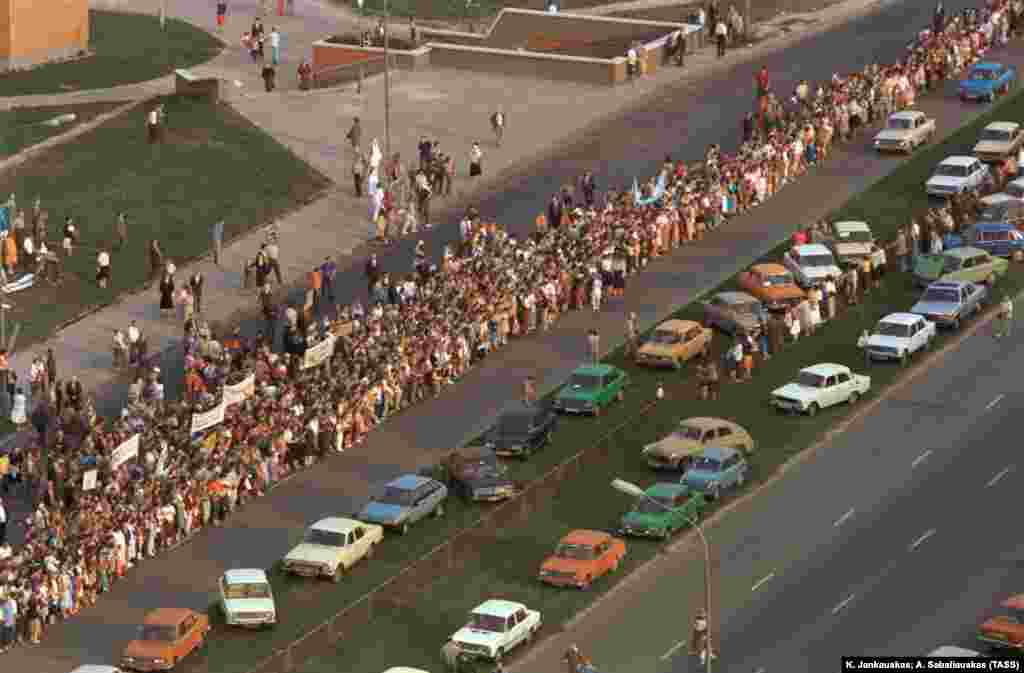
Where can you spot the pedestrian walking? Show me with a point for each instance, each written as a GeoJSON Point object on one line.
{"type": "Point", "coordinates": [359, 171]}
{"type": "Point", "coordinates": [596, 293]}
{"type": "Point", "coordinates": [1004, 318]}
{"type": "Point", "coordinates": [632, 335]}
{"type": "Point", "coordinates": [355, 135]}
{"type": "Point", "coordinates": [268, 74]}
{"type": "Point", "coordinates": [273, 253]}
{"type": "Point", "coordinates": [476, 158]}
{"type": "Point", "coordinates": [632, 63]}
{"type": "Point", "coordinates": [195, 284]}
{"type": "Point", "coordinates": [328, 274]}
{"type": "Point", "coordinates": [721, 37]}
{"type": "Point", "coordinates": [103, 267]}
{"type": "Point", "coordinates": [498, 120]}
{"type": "Point", "coordinates": [222, 11]}
{"type": "Point", "coordinates": [594, 343]}
{"type": "Point", "coordinates": [217, 236]}
{"type": "Point", "coordinates": [529, 391]}
{"type": "Point", "coordinates": [119, 350]}
{"type": "Point", "coordinates": [275, 46]}
{"type": "Point", "coordinates": [121, 230]}
{"type": "Point", "coordinates": [315, 286]}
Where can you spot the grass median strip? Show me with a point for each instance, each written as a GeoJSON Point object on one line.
{"type": "Point", "coordinates": [507, 563]}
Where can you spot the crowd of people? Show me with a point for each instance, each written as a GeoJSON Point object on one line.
{"type": "Point", "coordinates": [108, 494]}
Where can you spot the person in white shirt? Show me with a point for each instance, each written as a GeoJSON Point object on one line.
{"type": "Point", "coordinates": [103, 268]}
{"type": "Point", "coordinates": [632, 63]}
{"type": "Point", "coordinates": [3, 524]}
{"type": "Point", "coordinates": [721, 37]}
{"type": "Point", "coordinates": [275, 46]}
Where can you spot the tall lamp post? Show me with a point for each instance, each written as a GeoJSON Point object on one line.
{"type": "Point", "coordinates": [632, 489]}
{"type": "Point", "coordinates": [387, 83]}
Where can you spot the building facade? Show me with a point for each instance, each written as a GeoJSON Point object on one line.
{"type": "Point", "coordinates": [37, 31]}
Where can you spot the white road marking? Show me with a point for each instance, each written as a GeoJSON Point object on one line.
{"type": "Point", "coordinates": [841, 520]}
{"type": "Point", "coordinates": [992, 482]}
{"type": "Point", "coordinates": [843, 604]}
{"type": "Point", "coordinates": [997, 400]}
{"type": "Point", "coordinates": [920, 541]}
{"type": "Point", "coordinates": [675, 648]}
{"type": "Point", "coordinates": [921, 458]}
{"type": "Point", "coordinates": [761, 582]}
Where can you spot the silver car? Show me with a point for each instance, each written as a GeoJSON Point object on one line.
{"type": "Point", "coordinates": [948, 302]}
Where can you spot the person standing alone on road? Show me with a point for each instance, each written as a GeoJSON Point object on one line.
{"type": "Point", "coordinates": [275, 46]}
{"type": "Point", "coordinates": [222, 10]}
{"type": "Point", "coordinates": [594, 342]}
{"type": "Point", "coordinates": [632, 335]}
{"type": "Point", "coordinates": [476, 158]}
{"type": "Point", "coordinates": [1004, 319]}
{"type": "Point", "coordinates": [721, 37]}
{"type": "Point", "coordinates": [217, 234]}
{"type": "Point", "coordinates": [498, 124]}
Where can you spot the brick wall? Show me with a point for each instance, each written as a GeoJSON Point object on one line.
{"type": "Point", "coordinates": [538, 66]}
{"type": "Point", "coordinates": [327, 55]}
{"type": "Point", "coordinates": [33, 32]}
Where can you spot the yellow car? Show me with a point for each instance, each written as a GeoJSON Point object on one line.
{"type": "Point", "coordinates": [676, 451]}
{"type": "Point", "coordinates": [673, 342]}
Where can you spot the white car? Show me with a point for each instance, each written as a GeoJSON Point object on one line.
{"type": "Point", "coordinates": [97, 668]}
{"type": "Point", "coordinates": [404, 669]}
{"type": "Point", "coordinates": [999, 141]}
{"type": "Point", "coordinates": [904, 131]}
{"type": "Point", "coordinates": [820, 386]}
{"type": "Point", "coordinates": [956, 174]}
{"type": "Point", "coordinates": [247, 599]}
{"type": "Point", "coordinates": [897, 336]}
{"type": "Point", "coordinates": [811, 264]}
{"type": "Point", "coordinates": [953, 651]}
{"type": "Point", "coordinates": [332, 546]}
{"type": "Point", "coordinates": [495, 627]}
{"type": "Point", "coordinates": [851, 241]}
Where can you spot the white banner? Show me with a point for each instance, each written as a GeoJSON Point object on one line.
{"type": "Point", "coordinates": [319, 353]}
{"type": "Point", "coordinates": [89, 480]}
{"type": "Point", "coordinates": [208, 419]}
{"type": "Point", "coordinates": [240, 391]}
{"type": "Point", "coordinates": [128, 449]}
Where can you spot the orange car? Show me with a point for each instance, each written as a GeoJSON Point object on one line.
{"type": "Point", "coordinates": [581, 557]}
{"type": "Point", "coordinates": [773, 284]}
{"type": "Point", "coordinates": [166, 636]}
{"type": "Point", "coordinates": [1005, 630]}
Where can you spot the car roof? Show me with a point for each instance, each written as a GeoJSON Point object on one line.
{"type": "Point", "coordinates": [595, 370]}
{"type": "Point", "coordinates": [589, 538]}
{"type": "Point", "coordinates": [408, 482]}
{"type": "Point", "coordinates": [166, 616]}
{"type": "Point", "coordinates": [902, 318]}
{"type": "Point", "coordinates": [1002, 126]}
{"type": "Point", "coordinates": [677, 325]}
{"type": "Point", "coordinates": [958, 160]}
{"type": "Point", "coordinates": [906, 114]}
{"type": "Point", "coordinates": [964, 251]}
{"type": "Point", "coordinates": [737, 297]}
{"type": "Point", "coordinates": [404, 669]}
{"type": "Point", "coordinates": [1001, 197]}
{"type": "Point", "coordinates": [826, 369]}
{"type": "Point", "coordinates": [706, 422]}
{"type": "Point", "coordinates": [812, 249]}
{"type": "Point", "coordinates": [96, 668]}
{"type": "Point", "coordinates": [339, 524]}
{"type": "Point", "coordinates": [719, 453]}
{"type": "Point", "coordinates": [947, 284]}
{"type": "Point", "coordinates": [498, 608]}
{"type": "Point", "coordinates": [987, 65]}
{"type": "Point", "coordinates": [852, 225]}
{"type": "Point", "coordinates": [245, 576]}
{"type": "Point", "coordinates": [769, 268]}
{"type": "Point", "coordinates": [952, 651]}
{"type": "Point", "coordinates": [994, 226]}
{"type": "Point", "coordinates": [666, 489]}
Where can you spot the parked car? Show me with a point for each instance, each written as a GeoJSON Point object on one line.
{"type": "Point", "coordinates": [246, 598]}
{"type": "Point", "coordinates": [404, 501]}
{"type": "Point", "coordinates": [904, 131]}
{"type": "Point", "coordinates": [985, 80]}
{"type": "Point", "coordinates": [819, 386]}
{"type": "Point", "coordinates": [811, 264]}
{"type": "Point", "coordinates": [1002, 207]}
{"type": "Point", "coordinates": [851, 242]}
{"type": "Point", "coordinates": [948, 303]}
{"type": "Point", "coordinates": [581, 557]}
{"type": "Point", "coordinates": [955, 175]}
{"type": "Point", "coordinates": [966, 263]}
{"type": "Point", "coordinates": [495, 627]}
{"type": "Point", "coordinates": [950, 651]}
{"type": "Point", "coordinates": [672, 343]}
{"type": "Point", "coordinates": [476, 474]}
{"type": "Point", "coordinates": [331, 546]}
{"type": "Point", "coordinates": [1005, 630]}
{"type": "Point", "coordinates": [999, 239]}
{"type": "Point", "coordinates": [716, 470]}
{"type": "Point", "coordinates": [773, 284]}
{"type": "Point", "coordinates": [734, 312]}
{"type": "Point", "coordinates": [665, 509]}
{"type": "Point", "coordinates": [676, 451]}
{"type": "Point", "coordinates": [521, 431]}
{"type": "Point", "coordinates": [999, 141]}
{"type": "Point", "coordinates": [897, 336]}
{"type": "Point", "coordinates": [167, 636]}
{"type": "Point", "coordinates": [404, 669]}
{"type": "Point", "coordinates": [97, 668]}
{"type": "Point", "coordinates": [1015, 188]}
{"type": "Point", "coordinates": [590, 389]}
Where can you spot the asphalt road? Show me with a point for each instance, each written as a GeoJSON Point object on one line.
{"type": "Point", "coordinates": [682, 120]}
{"type": "Point", "coordinates": [884, 543]}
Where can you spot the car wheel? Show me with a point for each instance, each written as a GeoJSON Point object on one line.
{"type": "Point", "coordinates": [404, 529]}
{"type": "Point", "coordinates": [813, 409]}
{"type": "Point", "coordinates": [853, 398]}
{"type": "Point", "coordinates": [439, 511]}
{"type": "Point", "coordinates": [499, 654]}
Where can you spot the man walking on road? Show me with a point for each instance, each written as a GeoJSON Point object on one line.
{"type": "Point", "coordinates": [498, 120]}
{"type": "Point", "coordinates": [721, 37]}
{"type": "Point", "coordinates": [222, 10]}
{"type": "Point", "coordinates": [273, 252]}
{"type": "Point", "coordinates": [1004, 320]}
{"type": "Point", "coordinates": [275, 46]}
{"type": "Point", "coordinates": [217, 234]}
{"type": "Point", "coordinates": [355, 135]}
{"type": "Point", "coordinates": [632, 335]}
{"type": "Point", "coordinates": [594, 342]}
{"type": "Point", "coordinates": [328, 272]}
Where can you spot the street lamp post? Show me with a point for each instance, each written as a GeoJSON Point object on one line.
{"type": "Point", "coordinates": [4, 308]}
{"type": "Point", "coordinates": [387, 83]}
{"type": "Point", "coordinates": [632, 489]}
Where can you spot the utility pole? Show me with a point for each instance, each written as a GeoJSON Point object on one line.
{"type": "Point", "coordinates": [747, 33]}
{"type": "Point", "coordinates": [387, 83]}
{"type": "Point", "coordinates": [4, 308]}
{"type": "Point", "coordinates": [163, 14]}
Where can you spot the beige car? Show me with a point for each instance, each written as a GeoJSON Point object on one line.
{"type": "Point", "coordinates": [332, 546]}
{"type": "Point", "coordinates": [999, 141]}
{"type": "Point", "coordinates": [676, 451]}
{"type": "Point", "coordinates": [904, 131]}
{"type": "Point", "coordinates": [673, 342]}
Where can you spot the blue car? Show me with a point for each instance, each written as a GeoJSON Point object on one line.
{"type": "Point", "coordinates": [716, 469]}
{"type": "Point", "coordinates": [405, 501]}
{"type": "Point", "coordinates": [985, 80]}
{"type": "Point", "coordinates": [999, 239]}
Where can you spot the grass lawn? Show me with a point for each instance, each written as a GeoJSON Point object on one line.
{"type": "Point", "coordinates": [126, 48]}
{"type": "Point", "coordinates": [24, 127]}
{"type": "Point", "coordinates": [213, 164]}
{"type": "Point", "coordinates": [507, 565]}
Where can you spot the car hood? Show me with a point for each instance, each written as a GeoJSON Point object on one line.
{"type": "Point", "coordinates": [659, 350]}
{"type": "Point", "coordinates": [887, 341]}
{"type": "Point", "coordinates": [381, 512]}
{"type": "Point", "coordinates": [929, 266]}
{"type": "Point", "coordinates": [509, 439]}
{"type": "Point", "coordinates": [780, 292]}
{"type": "Point", "coordinates": [313, 553]}
{"type": "Point", "coordinates": [643, 520]}
{"type": "Point", "coordinates": [148, 649]}
{"type": "Point", "coordinates": [946, 181]}
{"type": "Point", "coordinates": [700, 478]}
{"type": "Point", "coordinates": [671, 447]}
{"type": "Point", "coordinates": [934, 307]}
{"type": "Point", "coordinates": [577, 393]}
{"type": "Point", "coordinates": [234, 605]}
{"type": "Point", "coordinates": [851, 249]}
{"type": "Point", "coordinates": [488, 481]}
{"type": "Point", "coordinates": [477, 637]}
{"type": "Point", "coordinates": [796, 391]}
{"type": "Point", "coordinates": [893, 134]}
{"type": "Point", "coordinates": [977, 83]}
{"type": "Point", "coordinates": [562, 565]}
{"type": "Point", "coordinates": [820, 272]}
{"type": "Point", "coordinates": [993, 146]}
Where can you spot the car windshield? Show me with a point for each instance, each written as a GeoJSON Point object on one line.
{"type": "Point", "coordinates": [951, 264]}
{"type": "Point", "coordinates": [996, 135]}
{"type": "Point", "coordinates": [584, 381]}
{"type": "Point", "coordinates": [749, 308]}
{"type": "Point", "coordinates": [688, 432]}
{"type": "Point", "coordinates": [892, 329]}
{"type": "Point", "coordinates": [707, 464]}
{"type": "Point", "coordinates": [951, 170]}
{"type": "Point", "coordinates": [247, 590]}
{"type": "Point", "coordinates": [396, 496]}
{"type": "Point", "coordinates": [664, 337]}
{"type": "Point", "coordinates": [816, 260]}
{"type": "Point", "coordinates": [856, 236]}
{"type": "Point", "coordinates": [158, 633]}
{"type": "Point", "coordinates": [482, 622]}
{"type": "Point", "coordinates": [653, 505]}
{"type": "Point", "coordinates": [995, 213]}
{"type": "Point", "coordinates": [579, 552]}
{"type": "Point", "coordinates": [900, 124]}
{"type": "Point", "coordinates": [982, 75]}
{"type": "Point", "coordinates": [779, 279]}
{"type": "Point", "coordinates": [942, 296]}
{"type": "Point", "coordinates": [515, 424]}
{"type": "Point", "coordinates": [325, 537]}
{"type": "Point", "coordinates": [811, 380]}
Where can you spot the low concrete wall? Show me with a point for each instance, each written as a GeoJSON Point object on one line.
{"type": "Point", "coordinates": [528, 64]}
{"type": "Point", "coordinates": [330, 55]}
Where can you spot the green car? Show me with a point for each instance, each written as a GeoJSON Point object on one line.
{"type": "Point", "coordinates": [675, 506]}
{"type": "Point", "coordinates": [590, 388]}
{"type": "Point", "coordinates": [968, 264]}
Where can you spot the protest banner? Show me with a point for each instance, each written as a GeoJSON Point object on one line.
{"type": "Point", "coordinates": [318, 354]}
{"type": "Point", "coordinates": [127, 450]}
{"type": "Point", "coordinates": [89, 480]}
{"type": "Point", "coordinates": [240, 391]}
{"type": "Point", "coordinates": [208, 419]}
